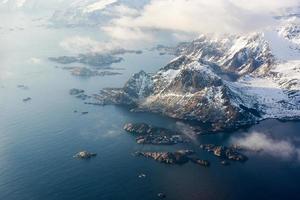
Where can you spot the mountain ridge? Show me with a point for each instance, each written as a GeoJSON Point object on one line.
{"type": "Point", "coordinates": [226, 82]}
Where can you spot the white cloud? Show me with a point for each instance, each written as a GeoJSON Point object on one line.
{"type": "Point", "coordinates": [17, 3]}
{"type": "Point", "coordinates": [121, 10]}
{"type": "Point", "coordinates": [20, 3]}
{"type": "Point", "coordinates": [127, 33]}
{"type": "Point", "coordinates": [78, 44]}
{"type": "Point", "coordinates": [199, 16]}
{"type": "Point", "coordinates": [99, 5]}
{"type": "Point", "coordinates": [35, 60]}
{"type": "Point", "coordinates": [187, 130]}
{"type": "Point", "coordinates": [267, 145]}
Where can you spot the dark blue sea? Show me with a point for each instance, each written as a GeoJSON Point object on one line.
{"type": "Point", "coordinates": [38, 138]}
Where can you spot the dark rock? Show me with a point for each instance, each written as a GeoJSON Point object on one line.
{"type": "Point", "coordinates": [161, 195]}
{"type": "Point", "coordinates": [161, 139]}
{"type": "Point", "coordinates": [146, 129]}
{"type": "Point", "coordinates": [178, 157]}
{"type": "Point", "coordinates": [148, 134]}
{"type": "Point", "coordinates": [95, 60]}
{"type": "Point", "coordinates": [84, 155]}
{"type": "Point", "coordinates": [83, 96]}
{"type": "Point", "coordinates": [27, 99]}
{"type": "Point", "coordinates": [86, 72]}
{"type": "Point", "coordinates": [201, 162]}
{"type": "Point", "coordinates": [76, 91]}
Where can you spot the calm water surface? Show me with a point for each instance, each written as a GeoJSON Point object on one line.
{"type": "Point", "coordinates": [39, 138]}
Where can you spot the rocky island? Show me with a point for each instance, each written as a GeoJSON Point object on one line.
{"type": "Point", "coordinates": [223, 152]}
{"type": "Point", "coordinates": [79, 93]}
{"type": "Point", "coordinates": [179, 157]}
{"type": "Point", "coordinates": [27, 99]}
{"type": "Point", "coordinates": [86, 72]}
{"type": "Point", "coordinates": [84, 155]}
{"type": "Point", "coordinates": [147, 134]}
{"type": "Point", "coordinates": [75, 91]}
{"type": "Point", "coordinates": [95, 60]}
{"type": "Point", "coordinates": [145, 129]}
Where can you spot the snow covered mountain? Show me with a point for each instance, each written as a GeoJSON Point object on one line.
{"type": "Point", "coordinates": [223, 81]}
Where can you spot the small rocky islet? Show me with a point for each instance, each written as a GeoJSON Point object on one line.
{"type": "Point", "coordinates": [86, 72]}
{"type": "Point", "coordinates": [179, 157]}
{"type": "Point", "coordinates": [147, 134]}
{"type": "Point", "coordinates": [27, 99]}
{"type": "Point", "coordinates": [228, 153]}
{"type": "Point", "coordinates": [84, 155]}
{"type": "Point", "coordinates": [79, 93]}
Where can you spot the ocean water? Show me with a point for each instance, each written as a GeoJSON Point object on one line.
{"type": "Point", "coordinates": [38, 138]}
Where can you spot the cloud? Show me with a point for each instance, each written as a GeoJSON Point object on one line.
{"type": "Point", "coordinates": [17, 3]}
{"type": "Point", "coordinates": [197, 16]}
{"type": "Point", "coordinates": [20, 3]}
{"type": "Point", "coordinates": [79, 44]}
{"type": "Point", "coordinates": [34, 60]}
{"type": "Point", "coordinates": [127, 33]}
{"type": "Point", "coordinates": [121, 10]}
{"type": "Point", "coordinates": [99, 5]}
{"type": "Point", "coordinates": [187, 130]}
{"type": "Point", "coordinates": [274, 147]}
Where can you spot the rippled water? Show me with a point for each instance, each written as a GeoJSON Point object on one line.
{"type": "Point", "coordinates": [39, 137]}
